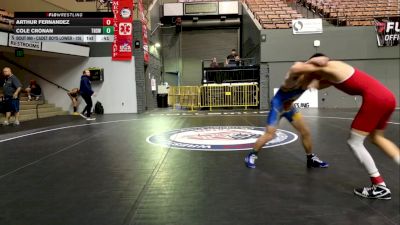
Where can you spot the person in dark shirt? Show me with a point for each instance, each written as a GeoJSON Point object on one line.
{"type": "Point", "coordinates": [86, 93]}
{"type": "Point", "coordinates": [231, 59]}
{"type": "Point", "coordinates": [34, 90]}
{"type": "Point", "coordinates": [11, 89]}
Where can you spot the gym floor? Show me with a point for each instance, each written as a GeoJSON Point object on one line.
{"type": "Point", "coordinates": [66, 171]}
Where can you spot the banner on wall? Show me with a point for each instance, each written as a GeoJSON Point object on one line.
{"type": "Point", "coordinates": [144, 32]}
{"type": "Point", "coordinates": [309, 99]}
{"type": "Point", "coordinates": [145, 44]}
{"type": "Point", "coordinates": [307, 26]}
{"type": "Point", "coordinates": [387, 31]}
{"type": "Point", "coordinates": [123, 29]}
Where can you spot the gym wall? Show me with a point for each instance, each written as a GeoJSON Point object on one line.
{"type": "Point", "coordinates": [196, 46]}
{"type": "Point", "coordinates": [117, 93]}
{"type": "Point", "coordinates": [146, 98]}
{"type": "Point", "coordinates": [250, 45]}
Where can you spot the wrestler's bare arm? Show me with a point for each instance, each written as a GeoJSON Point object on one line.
{"type": "Point", "coordinates": [303, 68]}
{"type": "Point", "coordinates": [319, 61]}
{"type": "Point", "coordinates": [319, 84]}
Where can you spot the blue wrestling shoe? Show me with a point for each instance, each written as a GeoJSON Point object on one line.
{"type": "Point", "coordinates": [250, 160]}
{"type": "Point", "coordinates": [314, 162]}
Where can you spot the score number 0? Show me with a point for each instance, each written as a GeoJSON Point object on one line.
{"type": "Point", "coordinates": [108, 24]}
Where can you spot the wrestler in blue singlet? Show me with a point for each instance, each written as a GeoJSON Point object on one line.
{"type": "Point", "coordinates": [282, 106]}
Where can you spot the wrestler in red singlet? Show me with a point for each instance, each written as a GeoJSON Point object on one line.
{"type": "Point", "coordinates": [378, 105]}
{"type": "Point", "coordinates": [378, 101]}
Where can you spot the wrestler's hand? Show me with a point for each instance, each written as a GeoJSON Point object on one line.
{"type": "Point", "coordinates": [319, 61]}
{"type": "Point", "coordinates": [314, 84]}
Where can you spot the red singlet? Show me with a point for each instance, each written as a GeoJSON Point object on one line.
{"type": "Point", "coordinates": [378, 102]}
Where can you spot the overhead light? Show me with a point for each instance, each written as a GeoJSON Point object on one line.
{"type": "Point", "coordinates": [157, 45]}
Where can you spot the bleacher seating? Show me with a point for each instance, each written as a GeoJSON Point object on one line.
{"type": "Point", "coordinates": [273, 14]}
{"type": "Point", "coordinates": [6, 20]}
{"type": "Point", "coordinates": [353, 12]}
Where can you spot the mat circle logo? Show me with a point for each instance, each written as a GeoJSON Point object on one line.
{"type": "Point", "coordinates": [218, 138]}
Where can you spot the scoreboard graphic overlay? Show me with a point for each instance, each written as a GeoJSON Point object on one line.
{"type": "Point", "coordinates": [64, 26]}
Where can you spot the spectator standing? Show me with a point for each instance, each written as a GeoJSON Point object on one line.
{"type": "Point", "coordinates": [11, 89]}
{"type": "Point", "coordinates": [86, 93]}
{"type": "Point", "coordinates": [34, 90]}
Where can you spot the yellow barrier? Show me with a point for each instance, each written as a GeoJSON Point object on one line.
{"type": "Point", "coordinates": [235, 95]}
{"type": "Point", "coordinates": [184, 96]}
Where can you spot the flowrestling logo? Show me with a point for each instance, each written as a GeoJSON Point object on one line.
{"type": "Point", "coordinates": [218, 138]}
{"type": "Point", "coordinates": [387, 31]}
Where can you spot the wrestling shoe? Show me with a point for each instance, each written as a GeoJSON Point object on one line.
{"type": "Point", "coordinates": [314, 162]}
{"type": "Point", "coordinates": [250, 160]}
{"type": "Point", "coordinates": [375, 192]}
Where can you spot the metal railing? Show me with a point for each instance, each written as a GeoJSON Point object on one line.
{"type": "Point", "coordinates": [240, 74]}
{"type": "Point", "coordinates": [245, 71]}
{"type": "Point", "coordinates": [235, 95]}
{"type": "Point", "coordinates": [242, 62]}
{"type": "Point", "coordinates": [214, 96]}
{"type": "Point", "coordinates": [184, 96]}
